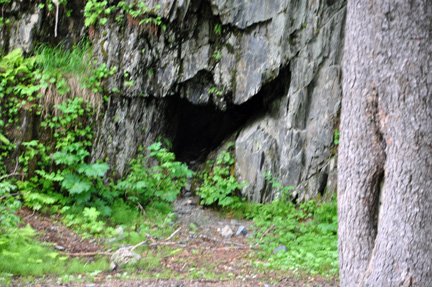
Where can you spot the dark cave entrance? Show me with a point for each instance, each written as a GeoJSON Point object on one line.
{"type": "Point", "coordinates": [202, 128]}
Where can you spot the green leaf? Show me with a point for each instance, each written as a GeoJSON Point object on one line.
{"type": "Point", "coordinates": [75, 184]}
{"type": "Point", "coordinates": [103, 21]}
{"type": "Point", "coordinates": [4, 139]}
{"type": "Point", "coordinates": [62, 157]}
{"type": "Point", "coordinates": [50, 176]}
{"type": "Point", "coordinates": [94, 169]}
{"type": "Point", "coordinates": [91, 213]}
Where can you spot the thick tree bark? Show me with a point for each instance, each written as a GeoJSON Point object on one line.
{"type": "Point", "coordinates": [385, 152]}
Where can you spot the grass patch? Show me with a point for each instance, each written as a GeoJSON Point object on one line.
{"type": "Point", "coordinates": [308, 231]}
{"type": "Point", "coordinates": [65, 61]}
{"type": "Point", "coordinates": [21, 254]}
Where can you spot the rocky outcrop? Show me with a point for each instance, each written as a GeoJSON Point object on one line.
{"type": "Point", "coordinates": [264, 72]}
{"type": "Point", "coordinates": [24, 24]}
{"type": "Point", "coordinates": [295, 143]}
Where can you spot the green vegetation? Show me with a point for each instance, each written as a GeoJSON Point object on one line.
{"type": "Point", "coordinates": [309, 232]}
{"type": "Point", "coordinates": [21, 254]}
{"type": "Point", "coordinates": [219, 186]}
{"type": "Point", "coordinates": [218, 29]}
{"type": "Point", "coordinates": [336, 137]}
{"type": "Point", "coordinates": [58, 59]}
{"type": "Point", "coordinates": [55, 175]}
{"type": "Point", "coordinates": [97, 12]}
{"type": "Point", "coordinates": [160, 183]}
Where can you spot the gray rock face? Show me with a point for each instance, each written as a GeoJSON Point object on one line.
{"type": "Point", "coordinates": [192, 60]}
{"type": "Point", "coordinates": [22, 33]}
{"type": "Point", "coordinates": [296, 144]}
{"type": "Point", "coordinates": [28, 24]}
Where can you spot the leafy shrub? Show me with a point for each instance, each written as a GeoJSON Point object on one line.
{"type": "Point", "coordinates": [96, 11]}
{"type": "Point", "coordinates": [17, 86]}
{"type": "Point", "coordinates": [161, 182]}
{"type": "Point", "coordinates": [9, 204]}
{"type": "Point", "coordinates": [219, 186]}
{"type": "Point", "coordinates": [87, 221]}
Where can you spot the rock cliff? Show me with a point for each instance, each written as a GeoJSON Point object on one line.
{"type": "Point", "coordinates": [263, 73]}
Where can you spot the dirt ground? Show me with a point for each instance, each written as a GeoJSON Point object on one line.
{"type": "Point", "coordinates": [200, 249]}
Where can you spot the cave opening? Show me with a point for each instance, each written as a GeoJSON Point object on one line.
{"type": "Point", "coordinates": [200, 129]}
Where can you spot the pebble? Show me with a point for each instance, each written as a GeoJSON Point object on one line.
{"type": "Point", "coordinates": [241, 231]}
{"type": "Point", "coordinates": [280, 248]}
{"type": "Point", "coordinates": [226, 232]}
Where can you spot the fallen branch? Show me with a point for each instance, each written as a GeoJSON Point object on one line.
{"type": "Point", "coordinates": [12, 174]}
{"type": "Point", "coordinates": [84, 254]}
{"type": "Point", "coordinates": [138, 245]}
{"type": "Point", "coordinates": [167, 243]}
{"type": "Point", "coordinates": [235, 247]}
{"type": "Point", "coordinates": [267, 231]}
{"type": "Point", "coordinates": [172, 235]}
{"type": "Point", "coordinates": [9, 195]}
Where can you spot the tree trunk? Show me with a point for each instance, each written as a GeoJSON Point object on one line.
{"type": "Point", "coordinates": [385, 152]}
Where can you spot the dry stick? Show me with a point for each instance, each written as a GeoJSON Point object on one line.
{"type": "Point", "coordinates": [142, 209]}
{"type": "Point", "coordinates": [166, 243]}
{"type": "Point", "coordinates": [235, 247]}
{"type": "Point", "coordinates": [28, 216]}
{"type": "Point", "coordinates": [12, 174]}
{"type": "Point", "coordinates": [138, 245]}
{"type": "Point", "coordinates": [16, 166]}
{"type": "Point", "coordinates": [268, 229]}
{"type": "Point", "coordinates": [86, 253]}
{"type": "Point", "coordinates": [223, 248]}
{"type": "Point", "coordinates": [154, 243]}
{"type": "Point", "coordinates": [172, 235]}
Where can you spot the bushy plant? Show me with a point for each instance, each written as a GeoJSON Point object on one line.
{"type": "Point", "coordinates": [159, 182]}
{"type": "Point", "coordinates": [219, 186]}
{"type": "Point", "coordinates": [97, 11]}
{"type": "Point", "coordinates": [9, 204]}
{"type": "Point", "coordinates": [17, 86]}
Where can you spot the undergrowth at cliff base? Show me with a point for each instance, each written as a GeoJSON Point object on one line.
{"type": "Point", "coordinates": [306, 233]}
{"type": "Point", "coordinates": [54, 175]}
